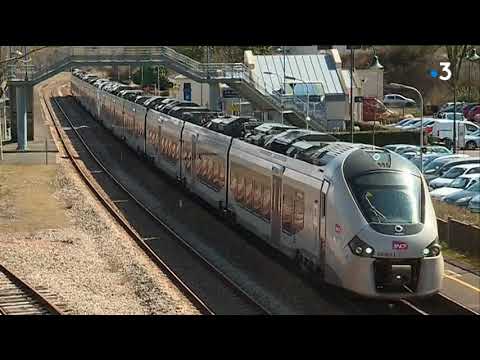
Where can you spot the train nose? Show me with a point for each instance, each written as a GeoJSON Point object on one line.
{"type": "Point", "coordinates": [392, 276]}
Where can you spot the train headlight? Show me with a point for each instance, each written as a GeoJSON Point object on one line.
{"type": "Point", "coordinates": [433, 249]}
{"type": "Point", "coordinates": [360, 248]}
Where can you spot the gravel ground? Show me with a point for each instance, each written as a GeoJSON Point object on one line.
{"type": "Point", "coordinates": [90, 263]}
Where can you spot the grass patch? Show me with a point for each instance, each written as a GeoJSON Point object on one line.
{"type": "Point", "coordinates": [443, 211]}
{"type": "Point", "coordinates": [451, 254]}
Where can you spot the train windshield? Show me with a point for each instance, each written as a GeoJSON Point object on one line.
{"type": "Point", "coordinates": [389, 198]}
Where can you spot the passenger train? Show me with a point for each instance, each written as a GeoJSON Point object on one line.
{"type": "Point", "coordinates": [361, 219]}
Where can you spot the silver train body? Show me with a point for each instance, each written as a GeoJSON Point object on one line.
{"type": "Point", "coordinates": [326, 218]}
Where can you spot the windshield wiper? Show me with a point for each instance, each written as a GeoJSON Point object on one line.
{"type": "Point", "coordinates": [377, 213]}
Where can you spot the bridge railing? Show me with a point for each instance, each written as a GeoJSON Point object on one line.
{"type": "Point", "coordinates": [204, 71]}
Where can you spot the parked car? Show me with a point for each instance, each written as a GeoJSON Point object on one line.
{"type": "Point", "coordinates": [427, 159]}
{"type": "Point", "coordinates": [449, 107]}
{"type": "Point", "coordinates": [451, 115]}
{"type": "Point", "coordinates": [472, 112]}
{"type": "Point", "coordinates": [410, 154]}
{"type": "Point", "coordinates": [474, 204]}
{"type": "Point", "coordinates": [142, 98]}
{"type": "Point", "coordinates": [400, 123]}
{"type": "Point", "coordinates": [453, 173]}
{"type": "Point", "coordinates": [455, 186]}
{"type": "Point", "coordinates": [281, 142]}
{"type": "Point", "coordinates": [394, 147]}
{"type": "Point", "coordinates": [440, 166]}
{"type": "Point", "coordinates": [231, 126]}
{"type": "Point", "coordinates": [468, 107]}
{"type": "Point", "coordinates": [154, 101]}
{"type": "Point", "coordinates": [398, 100]}
{"type": "Point", "coordinates": [374, 109]}
{"type": "Point", "coordinates": [300, 147]}
{"type": "Point", "coordinates": [472, 141]}
{"type": "Point", "coordinates": [260, 132]}
{"type": "Point", "coordinates": [463, 197]}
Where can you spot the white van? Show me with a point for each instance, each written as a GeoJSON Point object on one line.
{"type": "Point", "coordinates": [443, 130]}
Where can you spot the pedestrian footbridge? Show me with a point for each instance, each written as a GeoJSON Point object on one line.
{"type": "Point", "coordinates": [236, 75]}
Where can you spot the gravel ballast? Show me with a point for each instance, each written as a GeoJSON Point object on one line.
{"type": "Point", "coordinates": [88, 260]}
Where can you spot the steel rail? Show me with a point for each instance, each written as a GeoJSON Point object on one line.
{"type": "Point", "coordinates": [205, 309]}
{"type": "Point", "coordinates": [30, 291]}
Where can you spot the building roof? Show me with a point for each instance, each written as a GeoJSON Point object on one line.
{"type": "Point", "coordinates": [319, 68]}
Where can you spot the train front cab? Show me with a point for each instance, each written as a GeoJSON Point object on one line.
{"type": "Point", "coordinates": [389, 245]}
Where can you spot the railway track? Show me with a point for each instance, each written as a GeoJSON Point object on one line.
{"type": "Point", "coordinates": [223, 295]}
{"type": "Point", "coordinates": [439, 304]}
{"type": "Point", "coordinates": [432, 306]}
{"type": "Point", "coordinates": [17, 297]}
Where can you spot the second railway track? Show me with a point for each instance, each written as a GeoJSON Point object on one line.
{"type": "Point", "coordinates": [208, 288]}
{"type": "Point", "coordinates": [17, 297]}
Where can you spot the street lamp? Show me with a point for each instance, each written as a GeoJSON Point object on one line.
{"type": "Point", "coordinates": [401, 86]}
{"type": "Point", "coordinates": [474, 57]}
{"type": "Point", "coordinates": [284, 51]}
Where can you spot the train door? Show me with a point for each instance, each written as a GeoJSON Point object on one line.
{"type": "Point", "coordinates": [323, 223]}
{"type": "Point", "coordinates": [276, 205]}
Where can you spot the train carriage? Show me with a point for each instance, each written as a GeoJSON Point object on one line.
{"type": "Point", "coordinates": [204, 163]}
{"type": "Point", "coordinates": [163, 141]}
{"type": "Point", "coordinates": [134, 115]}
{"type": "Point", "coordinates": [360, 217]}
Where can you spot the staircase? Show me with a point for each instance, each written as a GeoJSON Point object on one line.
{"type": "Point", "coordinates": [235, 75]}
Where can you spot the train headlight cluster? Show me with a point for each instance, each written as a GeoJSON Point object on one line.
{"type": "Point", "coordinates": [361, 248]}
{"type": "Point", "coordinates": [433, 249]}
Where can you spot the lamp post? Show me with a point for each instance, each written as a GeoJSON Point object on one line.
{"type": "Point", "coordinates": [283, 50]}
{"type": "Point", "coordinates": [401, 86]}
{"type": "Point", "coordinates": [474, 57]}
{"type": "Point", "coordinates": [376, 66]}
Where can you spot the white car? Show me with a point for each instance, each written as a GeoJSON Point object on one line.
{"type": "Point", "coordinates": [453, 173]}
{"type": "Point", "coordinates": [398, 100]}
{"type": "Point", "coordinates": [449, 116]}
{"type": "Point", "coordinates": [459, 184]}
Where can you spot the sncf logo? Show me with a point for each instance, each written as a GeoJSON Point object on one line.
{"type": "Point", "coordinates": [398, 245]}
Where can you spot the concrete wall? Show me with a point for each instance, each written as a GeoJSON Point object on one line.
{"type": "Point", "coordinates": [200, 92]}
{"type": "Point", "coordinates": [372, 82]}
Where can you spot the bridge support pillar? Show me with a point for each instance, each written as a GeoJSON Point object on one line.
{"type": "Point", "coordinates": [21, 113]}
{"type": "Point", "coordinates": [214, 96]}
{"type": "Point", "coordinates": [21, 100]}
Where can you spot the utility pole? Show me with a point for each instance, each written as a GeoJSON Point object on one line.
{"type": "Point", "coordinates": [352, 66]}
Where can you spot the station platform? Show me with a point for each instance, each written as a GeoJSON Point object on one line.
{"type": "Point", "coordinates": [41, 150]}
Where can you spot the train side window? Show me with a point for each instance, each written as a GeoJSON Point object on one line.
{"type": "Point", "coordinates": [299, 212]}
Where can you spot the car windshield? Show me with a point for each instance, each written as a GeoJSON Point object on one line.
{"type": "Point", "coordinates": [438, 163]}
{"type": "Point", "coordinates": [474, 187]}
{"type": "Point", "coordinates": [388, 198]}
{"type": "Point", "coordinates": [453, 173]}
{"type": "Point", "coordinates": [460, 183]}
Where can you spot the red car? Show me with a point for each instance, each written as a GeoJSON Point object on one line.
{"type": "Point", "coordinates": [374, 109]}
{"type": "Point", "coordinates": [473, 112]}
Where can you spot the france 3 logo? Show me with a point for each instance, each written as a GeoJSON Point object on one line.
{"type": "Point", "coordinates": [445, 69]}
